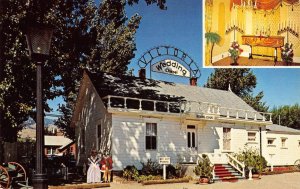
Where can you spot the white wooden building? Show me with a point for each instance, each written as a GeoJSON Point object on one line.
{"type": "Point", "coordinates": [281, 145]}
{"type": "Point", "coordinates": [137, 119]}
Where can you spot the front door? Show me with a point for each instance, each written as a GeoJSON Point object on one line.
{"type": "Point", "coordinates": [226, 138]}
{"type": "Point", "coordinates": [192, 138]}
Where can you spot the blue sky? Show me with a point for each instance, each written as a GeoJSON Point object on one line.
{"type": "Point", "coordinates": [180, 26]}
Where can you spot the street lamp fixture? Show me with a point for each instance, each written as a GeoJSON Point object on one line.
{"type": "Point", "coordinates": [38, 41]}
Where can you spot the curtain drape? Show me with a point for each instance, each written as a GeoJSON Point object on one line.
{"type": "Point", "coordinates": [264, 4]}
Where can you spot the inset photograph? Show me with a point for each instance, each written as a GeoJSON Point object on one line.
{"type": "Point", "coordinates": [251, 33]}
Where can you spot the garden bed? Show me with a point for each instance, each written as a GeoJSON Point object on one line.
{"type": "Point", "coordinates": [169, 181]}
{"type": "Point", "coordinates": [281, 170]}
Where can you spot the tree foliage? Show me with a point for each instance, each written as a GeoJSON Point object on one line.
{"type": "Point", "coordinates": [241, 81]}
{"type": "Point", "coordinates": [289, 115]}
{"type": "Point", "coordinates": [86, 35]}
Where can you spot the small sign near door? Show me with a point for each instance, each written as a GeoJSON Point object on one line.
{"type": "Point", "coordinates": [164, 160]}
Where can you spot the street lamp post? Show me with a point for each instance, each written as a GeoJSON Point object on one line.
{"type": "Point", "coordinates": [38, 41]}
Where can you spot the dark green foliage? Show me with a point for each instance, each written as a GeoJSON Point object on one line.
{"type": "Point", "coordinates": [160, 3]}
{"type": "Point", "coordinates": [151, 168]}
{"type": "Point", "coordinates": [251, 158]}
{"type": "Point", "coordinates": [242, 82]}
{"type": "Point", "coordinates": [289, 115]}
{"type": "Point", "coordinates": [130, 172]}
{"type": "Point", "coordinates": [171, 172]}
{"type": "Point", "coordinates": [204, 168]}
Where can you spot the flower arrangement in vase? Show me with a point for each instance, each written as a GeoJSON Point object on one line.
{"type": "Point", "coordinates": [235, 51]}
{"type": "Point", "coordinates": [287, 53]}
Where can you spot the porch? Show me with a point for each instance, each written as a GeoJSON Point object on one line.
{"type": "Point", "coordinates": [185, 109]}
{"type": "Point", "coordinates": [225, 166]}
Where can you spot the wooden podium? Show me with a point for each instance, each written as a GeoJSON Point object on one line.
{"type": "Point", "coordinates": [263, 41]}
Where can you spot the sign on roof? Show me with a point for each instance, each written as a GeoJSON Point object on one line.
{"type": "Point", "coordinates": [170, 67]}
{"type": "Point", "coordinates": [169, 60]}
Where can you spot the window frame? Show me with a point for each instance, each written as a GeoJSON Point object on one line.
{"type": "Point", "coordinates": [251, 137]}
{"type": "Point", "coordinates": [273, 142]}
{"type": "Point", "coordinates": [151, 136]}
{"type": "Point", "coordinates": [283, 142]}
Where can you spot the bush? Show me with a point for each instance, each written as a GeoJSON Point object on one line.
{"type": "Point", "coordinates": [251, 158]}
{"type": "Point", "coordinates": [151, 168]}
{"type": "Point", "coordinates": [130, 173]}
{"type": "Point", "coordinates": [171, 172]}
{"type": "Point", "coordinates": [204, 168]}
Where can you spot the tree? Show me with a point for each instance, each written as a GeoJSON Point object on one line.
{"type": "Point", "coordinates": [212, 38]}
{"type": "Point", "coordinates": [288, 115]}
{"type": "Point", "coordinates": [241, 81]}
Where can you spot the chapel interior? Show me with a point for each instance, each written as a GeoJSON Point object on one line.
{"type": "Point", "coordinates": [260, 27]}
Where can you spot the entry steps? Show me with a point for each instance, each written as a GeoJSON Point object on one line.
{"type": "Point", "coordinates": [226, 173]}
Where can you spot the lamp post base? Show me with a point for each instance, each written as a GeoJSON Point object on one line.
{"type": "Point", "coordinates": [40, 181]}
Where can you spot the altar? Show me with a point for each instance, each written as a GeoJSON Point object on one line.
{"type": "Point", "coordinates": [263, 41]}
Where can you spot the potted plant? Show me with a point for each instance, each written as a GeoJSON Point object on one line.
{"type": "Point", "coordinates": [287, 53]}
{"type": "Point", "coordinates": [235, 51]}
{"type": "Point", "coordinates": [204, 169]}
{"type": "Point", "coordinates": [213, 38]}
{"type": "Point", "coordinates": [254, 162]}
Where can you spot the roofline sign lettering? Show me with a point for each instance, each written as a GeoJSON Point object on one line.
{"type": "Point", "coordinates": [171, 67]}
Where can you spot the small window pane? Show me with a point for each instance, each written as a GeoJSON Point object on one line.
{"type": "Point", "coordinates": [189, 139]}
{"type": "Point", "coordinates": [151, 132]}
{"type": "Point", "coordinates": [193, 140]}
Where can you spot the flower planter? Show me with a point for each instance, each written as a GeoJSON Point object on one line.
{"type": "Point", "coordinates": [255, 176]}
{"type": "Point", "coordinates": [204, 180]}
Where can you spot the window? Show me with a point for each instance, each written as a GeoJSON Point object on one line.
{"type": "Point", "coordinates": [252, 136]}
{"type": "Point", "coordinates": [191, 136]}
{"type": "Point", "coordinates": [271, 141]}
{"type": "Point", "coordinates": [283, 142]}
{"type": "Point", "coordinates": [151, 133]}
{"type": "Point", "coordinates": [226, 138]}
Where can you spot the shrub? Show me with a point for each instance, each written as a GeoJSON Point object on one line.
{"type": "Point", "coordinates": [251, 158]}
{"type": "Point", "coordinates": [171, 172]}
{"type": "Point", "coordinates": [151, 168]}
{"type": "Point", "coordinates": [130, 173]}
{"type": "Point", "coordinates": [204, 168]}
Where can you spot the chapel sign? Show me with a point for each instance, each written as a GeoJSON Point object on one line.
{"type": "Point", "coordinates": [171, 67]}
{"type": "Point", "coordinates": [169, 60]}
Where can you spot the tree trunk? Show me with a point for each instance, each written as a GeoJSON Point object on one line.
{"type": "Point", "coordinates": [211, 52]}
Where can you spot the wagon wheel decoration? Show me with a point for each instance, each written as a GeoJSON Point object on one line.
{"type": "Point", "coordinates": [18, 170]}
{"type": "Point", "coordinates": [4, 178]}
{"type": "Point", "coordinates": [297, 164]}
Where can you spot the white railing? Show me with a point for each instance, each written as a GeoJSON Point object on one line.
{"type": "Point", "coordinates": [169, 107]}
{"type": "Point", "coordinates": [236, 164]}
{"type": "Point", "coordinates": [245, 114]}
{"type": "Point", "coordinates": [203, 108]}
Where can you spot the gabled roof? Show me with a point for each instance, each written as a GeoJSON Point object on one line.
{"type": "Point", "coordinates": [129, 86]}
{"type": "Point", "coordinates": [281, 129]}
{"type": "Point", "coordinates": [57, 141]}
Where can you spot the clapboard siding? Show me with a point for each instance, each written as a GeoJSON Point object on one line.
{"type": "Point", "coordinates": [128, 141]}
{"type": "Point", "coordinates": [281, 156]}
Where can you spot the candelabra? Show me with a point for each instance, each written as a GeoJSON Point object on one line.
{"type": "Point", "coordinates": [288, 27]}
{"type": "Point", "coordinates": [234, 27]}
{"type": "Point", "coordinates": [263, 32]}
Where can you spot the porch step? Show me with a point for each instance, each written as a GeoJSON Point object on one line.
{"type": "Point", "coordinates": [226, 173]}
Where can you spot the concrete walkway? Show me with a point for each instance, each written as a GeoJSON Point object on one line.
{"type": "Point", "coordinates": [281, 181]}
